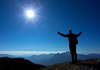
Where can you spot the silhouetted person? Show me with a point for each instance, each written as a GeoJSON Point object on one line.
{"type": "Point", "coordinates": [72, 44]}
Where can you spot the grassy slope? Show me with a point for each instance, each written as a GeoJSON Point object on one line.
{"type": "Point", "coordinates": [68, 66]}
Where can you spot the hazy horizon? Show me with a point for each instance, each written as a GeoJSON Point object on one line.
{"type": "Point", "coordinates": [29, 53]}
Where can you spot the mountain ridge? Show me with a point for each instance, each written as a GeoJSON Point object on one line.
{"type": "Point", "coordinates": [50, 59]}
{"type": "Point", "coordinates": [59, 58]}
{"type": "Point", "coordinates": [7, 63]}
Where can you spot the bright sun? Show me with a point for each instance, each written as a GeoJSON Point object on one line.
{"type": "Point", "coordinates": [30, 13]}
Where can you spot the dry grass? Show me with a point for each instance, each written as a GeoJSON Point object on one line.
{"type": "Point", "coordinates": [69, 66]}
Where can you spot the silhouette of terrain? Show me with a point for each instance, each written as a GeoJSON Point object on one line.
{"type": "Point", "coordinates": [40, 59]}
{"type": "Point", "coordinates": [88, 64]}
{"type": "Point", "coordinates": [7, 55]}
{"type": "Point", "coordinates": [7, 63]}
{"type": "Point", "coordinates": [50, 59]}
{"type": "Point", "coordinates": [56, 61]}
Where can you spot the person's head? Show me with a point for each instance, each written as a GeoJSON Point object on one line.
{"type": "Point", "coordinates": [70, 31]}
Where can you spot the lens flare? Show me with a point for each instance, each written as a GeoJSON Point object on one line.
{"type": "Point", "coordinates": [30, 13]}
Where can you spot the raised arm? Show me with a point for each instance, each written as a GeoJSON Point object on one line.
{"type": "Point", "coordinates": [78, 34]}
{"type": "Point", "coordinates": [62, 34]}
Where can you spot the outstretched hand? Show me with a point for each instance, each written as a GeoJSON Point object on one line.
{"type": "Point", "coordinates": [58, 32]}
{"type": "Point", "coordinates": [80, 32]}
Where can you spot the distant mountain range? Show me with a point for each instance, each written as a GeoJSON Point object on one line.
{"type": "Point", "coordinates": [50, 59]}
{"type": "Point", "coordinates": [7, 55]}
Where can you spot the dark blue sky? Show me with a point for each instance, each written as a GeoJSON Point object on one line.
{"type": "Point", "coordinates": [18, 33]}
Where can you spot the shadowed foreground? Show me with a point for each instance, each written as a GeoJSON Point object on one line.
{"type": "Point", "coordinates": [7, 63]}
{"type": "Point", "coordinates": [89, 64]}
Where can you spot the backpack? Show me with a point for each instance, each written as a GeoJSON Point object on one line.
{"type": "Point", "coordinates": [76, 41]}
{"type": "Point", "coordinates": [73, 39]}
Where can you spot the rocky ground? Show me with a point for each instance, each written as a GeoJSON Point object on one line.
{"type": "Point", "coordinates": [89, 64]}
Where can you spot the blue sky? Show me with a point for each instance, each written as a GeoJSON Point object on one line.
{"type": "Point", "coordinates": [18, 33]}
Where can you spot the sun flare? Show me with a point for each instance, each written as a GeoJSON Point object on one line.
{"type": "Point", "coordinates": [30, 13]}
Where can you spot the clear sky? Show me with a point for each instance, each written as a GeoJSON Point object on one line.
{"type": "Point", "coordinates": [19, 33]}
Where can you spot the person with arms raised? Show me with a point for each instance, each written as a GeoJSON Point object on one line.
{"type": "Point", "coordinates": [72, 44]}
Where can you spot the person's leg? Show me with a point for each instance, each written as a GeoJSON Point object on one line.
{"type": "Point", "coordinates": [72, 53]}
